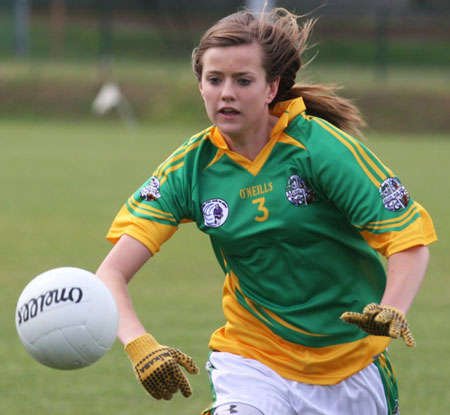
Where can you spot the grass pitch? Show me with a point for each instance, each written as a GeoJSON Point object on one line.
{"type": "Point", "coordinates": [63, 182]}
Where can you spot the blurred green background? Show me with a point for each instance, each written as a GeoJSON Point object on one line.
{"type": "Point", "coordinates": [393, 59]}
{"type": "Point", "coordinates": [66, 170]}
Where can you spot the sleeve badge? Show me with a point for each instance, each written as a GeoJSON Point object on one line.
{"type": "Point", "coordinates": [394, 195]}
{"type": "Point", "coordinates": [151, 191]}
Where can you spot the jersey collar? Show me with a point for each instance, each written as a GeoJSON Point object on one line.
{"type": "Point", "coordinates": [286, 111]}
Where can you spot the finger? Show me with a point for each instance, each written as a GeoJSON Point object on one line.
{"type": "Point", "coordinates": [372, 309]}
{"type": "Point", "coordinates": [167, 396]}
{"type": "Point", "coordinates": [185, 387]}
{"type": "Point", "coordinates": [148, 384]}
{"type": "Point", "coordinates": [162, 380]}
{"type": "Point", "coordinates": [183, 383]}
{"type": "Point", "coordinates": [351, 317]}
{"type": "Point", "coordinates": [385, 316]}
{"type": "Point", "coordinates": [395, 328]}
{"type": "Point", "coordinates": [171, 383]}
{"type": "Point", "coordinates": [408, 337]}
{"type": "Point", "coordinates": [186, 361]}
{"type": "Point", "coordinates": [151, 388]}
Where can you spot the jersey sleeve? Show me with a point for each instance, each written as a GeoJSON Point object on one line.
{"type": "Point", "coordinates": [153, 213]}
{"type": "Point", "coordinates": [368, 193]}
{"type": "Point", "coordinates": [136, 220]}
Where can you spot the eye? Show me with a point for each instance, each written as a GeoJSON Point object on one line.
{"type": "Point", "coordinates": [244, 81]}
{"type": "Point", "coordinates": [214, 80]}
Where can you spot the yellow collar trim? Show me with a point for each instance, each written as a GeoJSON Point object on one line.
{"type": "Point", "coordinates": [286, 111]}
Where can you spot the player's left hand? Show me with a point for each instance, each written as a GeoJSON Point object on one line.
{"type": "Point", "coordinates": [381, 321]}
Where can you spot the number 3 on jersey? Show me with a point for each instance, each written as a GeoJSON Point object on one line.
{"type": "Point", "coordinates": [264, 211]}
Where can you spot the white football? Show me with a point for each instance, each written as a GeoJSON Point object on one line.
{"type": "Point", "coordinates": [66, 318]}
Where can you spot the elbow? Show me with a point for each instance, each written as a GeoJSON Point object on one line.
{"type": "Point", "coordinates": [423, 252]}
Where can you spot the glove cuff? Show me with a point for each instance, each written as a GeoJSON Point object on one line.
{"type": "Point", "coordinates": [373, 308]}
{"type": "Point", "coordinates": [396, 310]}
{"type": "Point", "coordinates": [140, 344]}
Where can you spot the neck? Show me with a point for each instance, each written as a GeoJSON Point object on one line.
{"type": "Point", "coordinates": [251, 144]}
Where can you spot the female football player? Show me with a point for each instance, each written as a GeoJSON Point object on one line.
{"type": "Point", "coordinates": [297, 211]}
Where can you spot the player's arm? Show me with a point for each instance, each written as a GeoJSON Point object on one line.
{"type": "Point", "coordinates": [156, 366]}
{"type": "Point", "coordinates": [405, 273]}
{"type": "Point", "coordinates": [123, 261]}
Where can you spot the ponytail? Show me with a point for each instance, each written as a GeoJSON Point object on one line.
{"type": "Point", "coordinates": [323, 102]}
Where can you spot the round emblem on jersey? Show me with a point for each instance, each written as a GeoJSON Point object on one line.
{"type": "Point", "coordinates": [395, 196]}
{"type": "Point", "coordinates": [151, 191]}
{"type": "Point", "coordinates": [215, 212]}
{"type": "Point", "coordinates": [298, 193]}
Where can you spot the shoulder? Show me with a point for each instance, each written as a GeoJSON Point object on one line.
{"type": "Point", "coordinates": [321, 137]}
{"type": "Point", "coordinates": [193, 154]}
{"type": "Point", "coordinates": [193, 145]}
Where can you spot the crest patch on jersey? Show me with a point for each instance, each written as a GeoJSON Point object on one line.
{"type": "Point", "coordinates": [215, 212]}
{"type": "Point", "coordinates": [395, 196]}
{"type": "Point", "coordinates": [151, 191]}
{"type": "Point", "coordinates": [298, 193]}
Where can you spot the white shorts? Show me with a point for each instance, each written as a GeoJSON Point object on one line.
{"type": "Point", "coordinates": [237, 380]}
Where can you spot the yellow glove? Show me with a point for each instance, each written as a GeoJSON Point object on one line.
{"type": "Point", "coordinates": [157, 367]}
{"type": "Point", "coordinates": [381, 321]}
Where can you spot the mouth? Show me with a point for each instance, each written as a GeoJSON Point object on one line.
{"type": "Point", "coordinates": [228, 112]}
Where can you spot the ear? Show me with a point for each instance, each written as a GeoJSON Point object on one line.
{"type": "Point", "coordinates": [201, 90]}
{"type": "Point", "coordinates": [273, 90]}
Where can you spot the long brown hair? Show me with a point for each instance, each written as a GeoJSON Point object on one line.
{"type": "Point", "coordinates": [283, 43]}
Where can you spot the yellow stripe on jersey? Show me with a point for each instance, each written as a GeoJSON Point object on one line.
{"type": "Point", "coordinates": [376, 168]}
{"type": "Point", "coordinates": [137, 207]}
{"type": "Point", "coordinates": [367, 160]}
{"type": "Point", "coordinates": [393, 220]}
{"type": "Point", "coordinates": [419, 232]}
{"type": "Point", "coordinates": [163, 170]}
{"type": "Point", "coordinates": [150, 233]}
{"type": "Point", "coordinates": [235, 284]}
{"type": "Point", "coordinates": [290, 326]}
{"type": "Point", "coordinates": [163, 178]}
{"type": "Point", "coordinates": [216, 158]}
{"type": "Point", "coordinates": [286, 139]}
{"type": "Point", "coordinates": [177, 152]}
{"type": "Point", "coordinates": [369, 174]}
{"type": "Point", "coordinates": [392, 223]}
{"type": "Point", "coordinates": [250, 304]}
{"type": "Point", "coordinates": [180, 151]}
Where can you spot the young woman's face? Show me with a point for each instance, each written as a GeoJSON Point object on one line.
{"type": "Point", "coordinates": [235, 90]}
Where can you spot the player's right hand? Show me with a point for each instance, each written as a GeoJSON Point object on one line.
{"type": "Point", "coordinates": [158, 369]}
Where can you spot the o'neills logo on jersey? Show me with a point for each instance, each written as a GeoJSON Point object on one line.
{"type": "Point", "coordinates": [298, 193]}
{"type": "Point", "coordinates": [215, 212]}
{"type": "Point", "coordinates": [395, 196]}
{"type": "Point", "coordinates": [151, 191]}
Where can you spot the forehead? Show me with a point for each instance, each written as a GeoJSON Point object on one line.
{"type": "Point", "coordinates": [242, 58]}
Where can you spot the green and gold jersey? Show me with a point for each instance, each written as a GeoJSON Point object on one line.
{"type": "Point", "coordinates": [296, 232]}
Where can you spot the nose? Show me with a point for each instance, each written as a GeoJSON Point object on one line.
{"type": "Point", "coordinates": [228, 92]}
